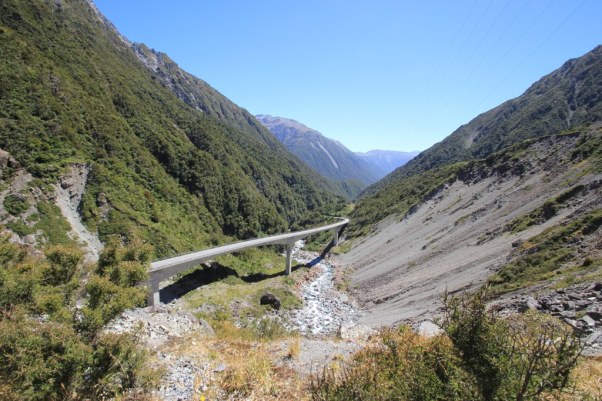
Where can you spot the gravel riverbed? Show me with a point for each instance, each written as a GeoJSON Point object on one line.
{"type": "Point", "coordinates": [325, 309]}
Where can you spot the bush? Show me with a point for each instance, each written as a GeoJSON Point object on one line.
{"type": "Point", "coordinates": [480, 357]}
{"type": "Point", "coordinates": [402, 366]}
{"type": "Point", "coordinates": [63, 262]}
{"type": "Point", "coordinates": [519, 358]}
{"type": "Point", "coordinates": [15, 204]}
{"type": "Point", "coordinates": [48, 352]}
{"type": "Point", "coordinates": [41, 361]}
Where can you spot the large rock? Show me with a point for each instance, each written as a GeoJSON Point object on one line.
{"type": "Point", "coordinates": [588, 320]}
{"type": "Point", "coordinates": [270, 299]}
{"type": "Point", "coordinates": [355, 332]}
{"type": "Point", "coordinates": [428, 329]}
{"type": "Point", "coordinates": [207, 329]}
{"type": "Point", "coordinates": [530, 303]}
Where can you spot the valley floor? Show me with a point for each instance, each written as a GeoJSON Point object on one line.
{"type": "Point", "coordinates": [234, 362]}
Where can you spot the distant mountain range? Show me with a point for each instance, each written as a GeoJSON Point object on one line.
{"type": "Point", "coordinates": [331, 158]}
{"type": "Point", "coordinates": [387, 160]}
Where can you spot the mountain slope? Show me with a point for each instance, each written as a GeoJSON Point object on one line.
{"type": "Point", "coordinates": [565, 98]}
{"type": "Point", "coordinates": [326, 156]}
{"type": "Point", "coordinates": [513, 198]}
{"type": "Point", "coordinates": [73, 92]}
{"type": "Point", "coordinates": [530, 213]}
{"type": "Point", "coordinates": [386, 160]}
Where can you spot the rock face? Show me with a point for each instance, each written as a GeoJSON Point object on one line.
{"type": "Point", "coordinates": [579, 306]}
{"type": "Point", "coordinates": [270, 299]}
{"type": "Point", "coordinates": [68, 196]}
{"type": "Point", "coordinates": [462, 231]}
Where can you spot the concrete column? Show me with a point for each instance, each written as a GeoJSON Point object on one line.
{"type": "Point", "coordinates": [289, 258]}
{"type": "Point", "coordinates": [335, 241]}
{"type": "Point", "coordinates": [153, 295]}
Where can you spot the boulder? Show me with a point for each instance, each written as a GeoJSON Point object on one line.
{"type": "Point", "coordinates": [207, 329]}
{"type": "Point", "coordinates": [569, 305]}
{"type": "Point", "coordinates": [580, 305]}
{"type": "Point", "coordinates": [588, 321]}
{"type": "Point", "coordinates": [596, 287]}
{"type": "Point", "coordinates": [556, 308]}
{"type": "Point", "coordinates": [529, 303]}
{"type": "Point", "coordinates": [517, 243]}
{"type": "Point", "coordinates": [568, 313]}
{"type": "Point", "coordinates": [355, 332]}
{"type": "Point", "coordinates": [594, 337]}
{"type": "Point", "coordinates": [428, 329]}
{"type": "Point", "coordinates": [270, 299]}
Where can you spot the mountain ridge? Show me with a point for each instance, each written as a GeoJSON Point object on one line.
{"type": "Point", "coordinates": [73, 90]}
{"type": "Point", "coordinates": [387, 160]}
{"type": "Point", "coordinates": [568, 96]}
{"type": "Point", "coordinates": [328, 157]}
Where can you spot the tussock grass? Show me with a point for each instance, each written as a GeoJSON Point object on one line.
{"type": "Point", "coordinates": [479, 357]}
{"type": "Point", "coordinates": [251, 374]}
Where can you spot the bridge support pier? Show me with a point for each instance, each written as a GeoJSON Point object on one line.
{"type": "Point", "coordinates": [153, 298]}
{"type": "Point", "coordinates": [289, 258]}
{"type": "Point", "coordinates": [335, 240]}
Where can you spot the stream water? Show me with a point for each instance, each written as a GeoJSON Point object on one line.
{"type": "Point", "coordinates": [325, 308]}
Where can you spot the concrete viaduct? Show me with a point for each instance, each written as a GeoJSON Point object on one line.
{"type": "Point", "coordinates": [166, 268]}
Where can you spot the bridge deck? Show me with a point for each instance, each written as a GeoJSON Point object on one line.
{"type": "Point", "coordinates": [163, 269]}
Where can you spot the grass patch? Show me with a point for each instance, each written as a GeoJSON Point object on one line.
{"type": "Point", "coordinates": [343, 247]}
{"type": "Point", "coordinates": [254, 261]}
{"type": "Point", "coordinates": [54, 225]}
{"type": "Point", "coordinates": [234, 296]}
{"type": "Point", "coordinates": [549, 254]}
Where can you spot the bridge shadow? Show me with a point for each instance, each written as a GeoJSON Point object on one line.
{"type": "Point", "coordinates": [194, 280]}
{"type": "Point", "coordinates": [217, 272]}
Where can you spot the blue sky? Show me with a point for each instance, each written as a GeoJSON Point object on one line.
{"type": "Point", "coordinates": [376, 74]}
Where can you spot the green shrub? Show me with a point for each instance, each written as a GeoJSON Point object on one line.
{"type": "Point", "coordinates": [480, 357]}
{"type": "Point", "coordinates": [15, 204]}
{"type": "Point", "coordinates": [520, 358]}
{"type": "Point", "coordinates": [42, 361]}
{"type": "Point", "coordinates": [48, 352]}
{"type": "Point", "coordinates": [402, 366]}
{"type": "Point", "coordinates": [63, 261]}
{"type": "Point", "coordinates": [118, 363]}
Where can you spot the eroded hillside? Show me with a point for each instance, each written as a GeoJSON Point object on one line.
{"type": "Point", "coordinates": [482, 217]}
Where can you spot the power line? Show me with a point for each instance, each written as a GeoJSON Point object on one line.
{"type": "Point", "coordinates": [448, 89]}
{"type": "Point", "coordinates": [506, 53]}
{"type": "Point", "coordinates": [519, 66]}
{"type": "Point", "coordinates": [427, 87]}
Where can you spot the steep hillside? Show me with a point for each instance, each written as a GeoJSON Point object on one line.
{"type": "Point", "coordinates": [386, 160]}
{"type": "Point", "coordinates": [326, 156]}
{"type": "Point", "coordinates": [568, 97]}
{"type": "Point", "coordinates": [77, 101]}
{"type": "Point", "coordinates": [531, 214]}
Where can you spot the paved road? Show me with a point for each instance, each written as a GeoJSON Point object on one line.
{"type": "Point", "coordinates": [163, 269]}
